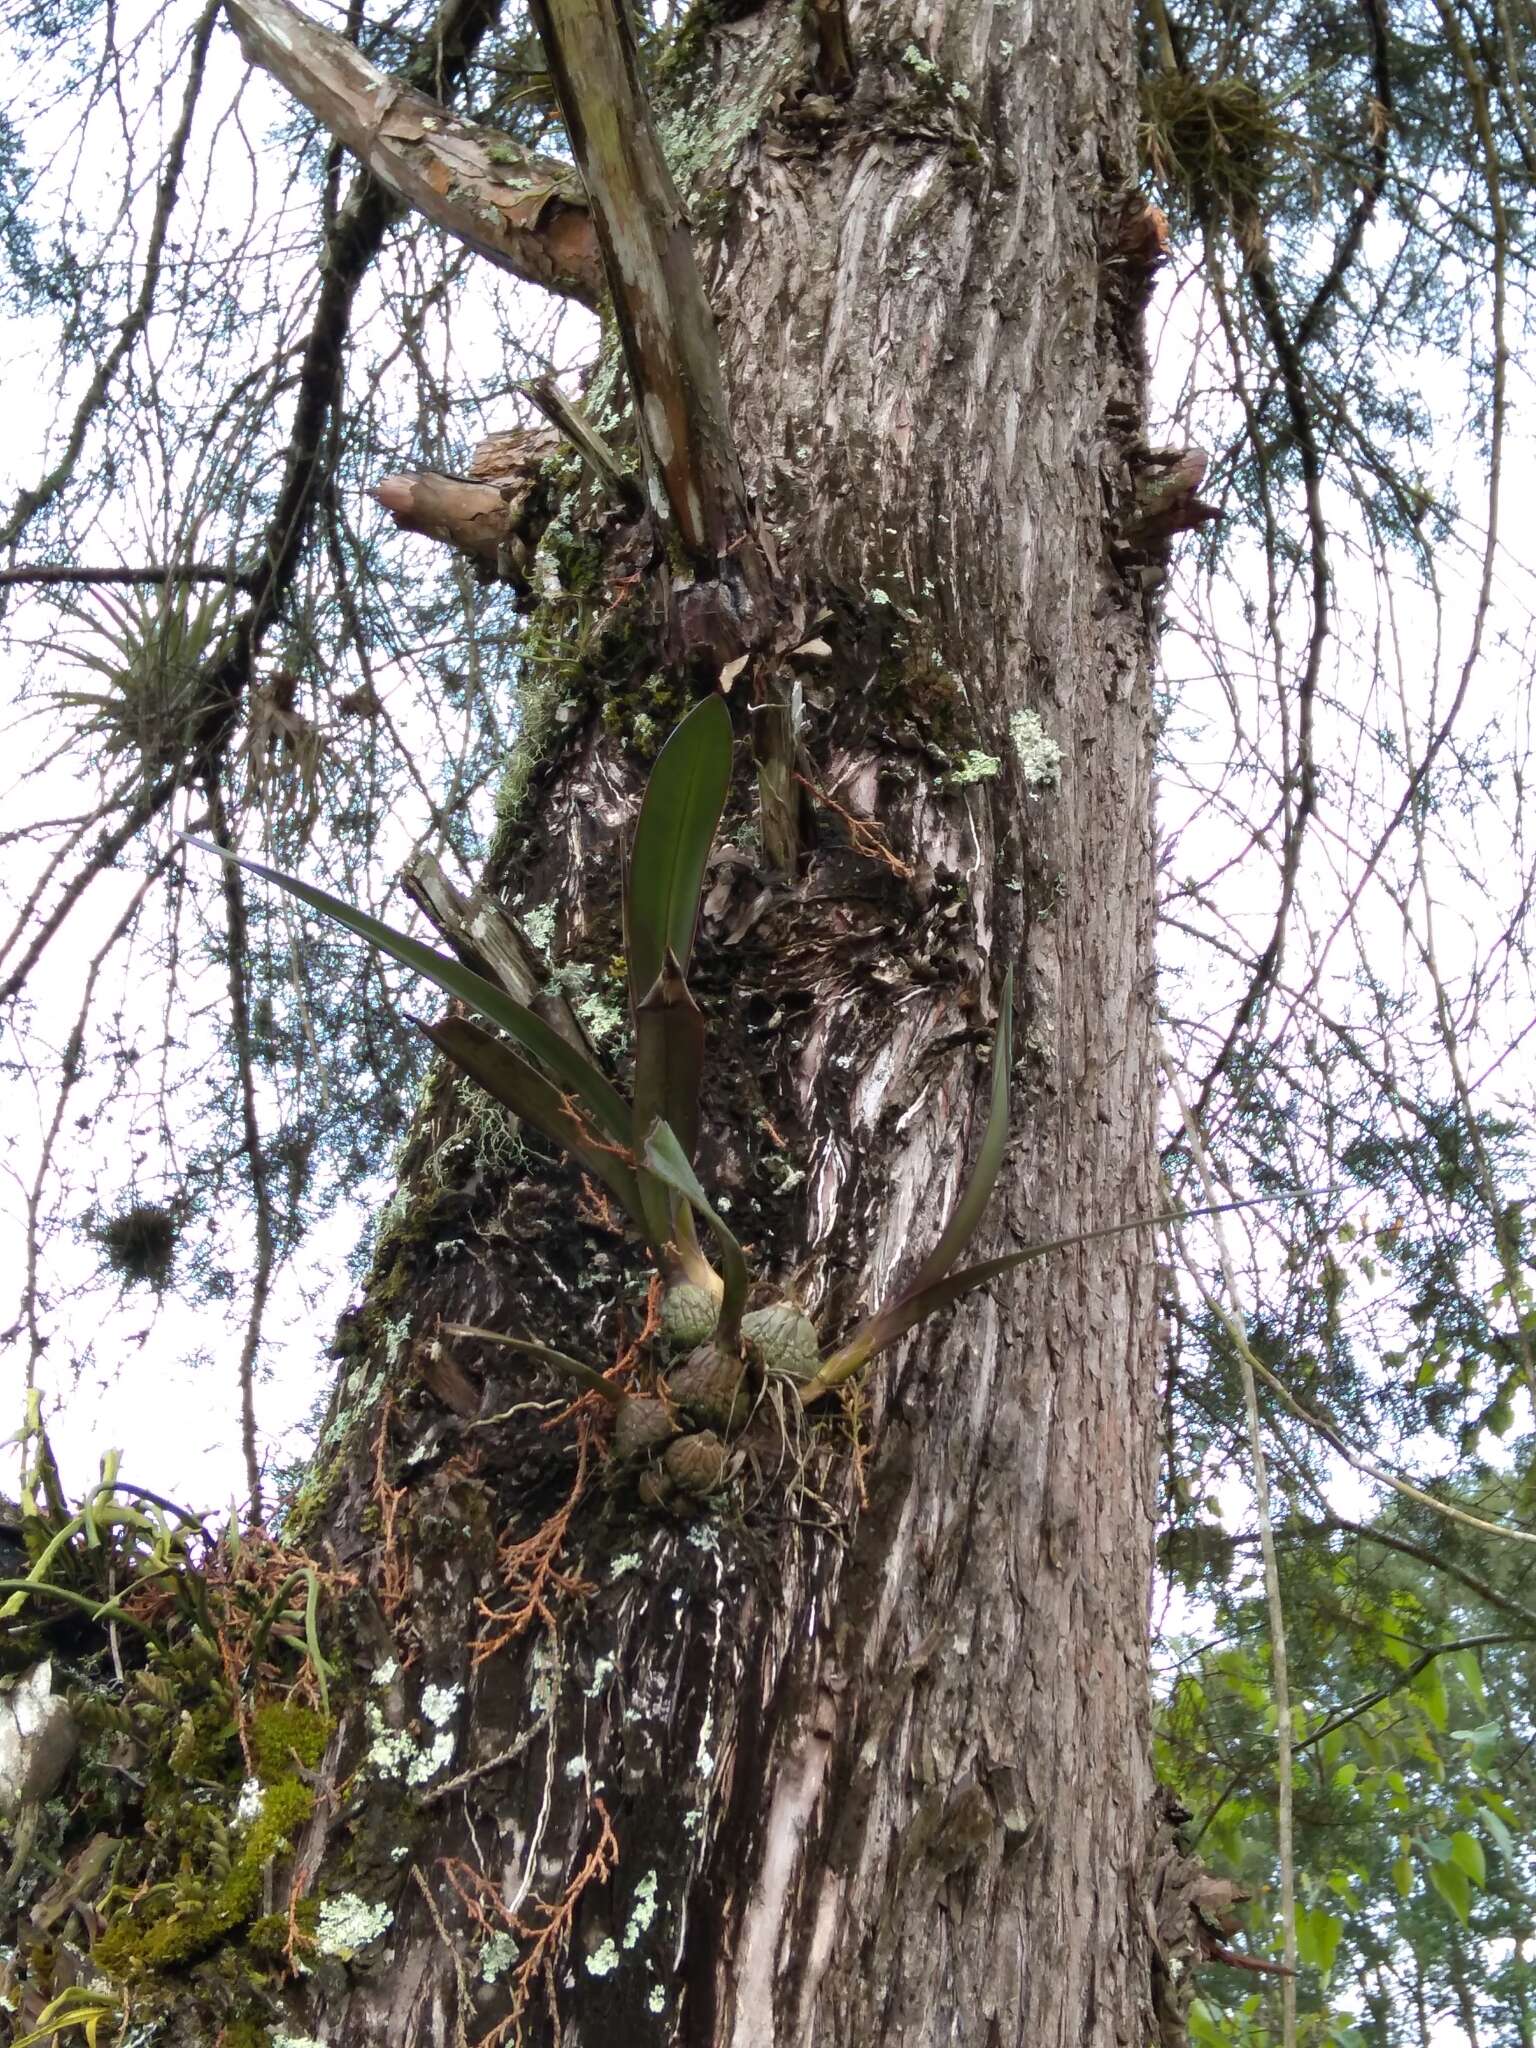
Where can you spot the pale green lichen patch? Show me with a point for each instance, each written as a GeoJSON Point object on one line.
{"type": "Point", "coordinates": [545, 1666]}
{"type": "Point", "coordinates": [539, 924]}
{"type": "Point", "coordinates": [603, 1961]}
{"type": "Point", "coordinates": [497, 1957]}
{"type": "Point", "coordinates": [603, 1017]}
{"type": "Point", "coordinates": [782, 1172]}
{"type": "Point", "coordinates": [656, 1999]}
{"type": "Point", "coordinates": [601, 1012]}
{"type": "Point", "coordinates": [440, 1703]}
{"type": "Point", "coordinates": [1038, 754]}
{"type": "Point", "coordinates": [390, 1748]}
{"type": "Point", "coordinates": [972, 766]}
{"type": "Point", "coordinates": [705, 135]}
{"type": "Point", "coordinates": [437, 1756]}
{"type": "Point", "coordinates": [296, 2041]}
{"type": "Point", "coordinates": [643, 1912]}
{"type": "Point", "coordinates": [602, 1671]}
{"type": "Point", "coordinates": [348, 1923]}
{"type": "Point", "coordinates": [395, 1753]}
{"type": "Point", "coordinates": [627, 1561]}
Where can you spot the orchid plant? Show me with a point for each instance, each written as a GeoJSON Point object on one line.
{"type": "Point", "coordinates": [642, 1150]}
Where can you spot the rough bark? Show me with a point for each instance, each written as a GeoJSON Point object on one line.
{"type": "Point", "coordinates": [876, 1769]}
{"type": "Point", "coordinates": [862, 1757]}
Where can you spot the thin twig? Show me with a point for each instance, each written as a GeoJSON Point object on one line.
{"type": "Point", "coordinates": [237, 935]}
{"type": "Point", "coordinates": [1279, 1665]}
{"type": "Point", "coordinates": [509, 1755]}
{"type": "Point", "coordinates": [51, 573]}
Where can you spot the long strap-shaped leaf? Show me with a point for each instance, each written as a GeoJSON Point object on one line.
{"type": "Point", "coordinates": [911, 1308]}
{"type": "Point", "coordinates": [679, 814]}
{"type": "Point", "coordinates": [503, 1073]}
{"type": "Point", "coordinates": [669, 1064]}
{"type": "Point", "coordinates": [961, 1227]}
{"type": "Point", "coordinates": [608, 1108]}
{"type": "Point", "coordinates": [668, 1161]}
{"type": "Point", "coordinates": [584, 1375]}
{"type": "Point", "coordinates": [669, 1057]}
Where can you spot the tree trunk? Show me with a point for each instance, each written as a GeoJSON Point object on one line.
{"type": "Point", "coordinates": [862, 1757]}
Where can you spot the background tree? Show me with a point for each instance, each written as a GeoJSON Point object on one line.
{"type": "Point", "coordinates": [869, 1750]}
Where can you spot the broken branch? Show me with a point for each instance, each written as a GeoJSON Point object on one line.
{"type": "Point", "coordinates": [522, 211]}
{"type": "Point", "coordinates": [664, 318]}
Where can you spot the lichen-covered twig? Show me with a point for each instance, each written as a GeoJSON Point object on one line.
{"type": "Point", "coordinates": [594, 451]}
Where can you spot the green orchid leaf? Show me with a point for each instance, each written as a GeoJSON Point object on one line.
{"type": "Point", "coordinates": [607, 1107]}
{"type": "Point", "coordinates": [559, 1361]}
{"type": "Point", "coordinates": [669, 1057]}
{"type": "Point", "coordinates": [962, 1225]}
{"type": "Point", "coordinates": [503, 1073]}
{"type": "Point", "coordinates": [669, 1065]}
{"type": "Point", "coordinates": [910, 1309]}
{"type": "Point", "coordinates": [669, 1162]}
{"type": "Point", "coordinates": [687, 1260]}
{"type": "Point", "coordinates": [679, 814]}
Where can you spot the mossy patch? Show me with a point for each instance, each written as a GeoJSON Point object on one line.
{"type": "Point", "coordinates": [174, 1923]}
{"type": "Point", "coordinates": [246, 2033]}
{"type": "Point", "coordinates": [280, 1736]}
{"type": "Point", "coordinates": [268, 1934]}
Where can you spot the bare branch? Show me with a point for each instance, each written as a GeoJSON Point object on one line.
{"type": "Point", "coordinates": [32, 500]}
{"type": "Point", "coordinates": [522, 211]}
{"type": "Point", "coordinates": [237, 931]}
{"type": "Point", "coordinates": [352, 242]}
{"type": "Point", "coordinates": [101, 857]}
{"type": "Point", "coordinates": [475, 518]}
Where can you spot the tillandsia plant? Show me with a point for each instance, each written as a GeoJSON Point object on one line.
{"type": "Point", "coordinates": [677, 1437]}
{"type": "Point", "coordinates": [124, 1556]}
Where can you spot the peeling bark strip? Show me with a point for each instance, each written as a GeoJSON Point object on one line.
{"type": "Point", "coordinates": [834, 47]}
{"type": "Point", "coordinates": [523, 211]}
{"type": "Point", "coordinates": [668, 330]}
